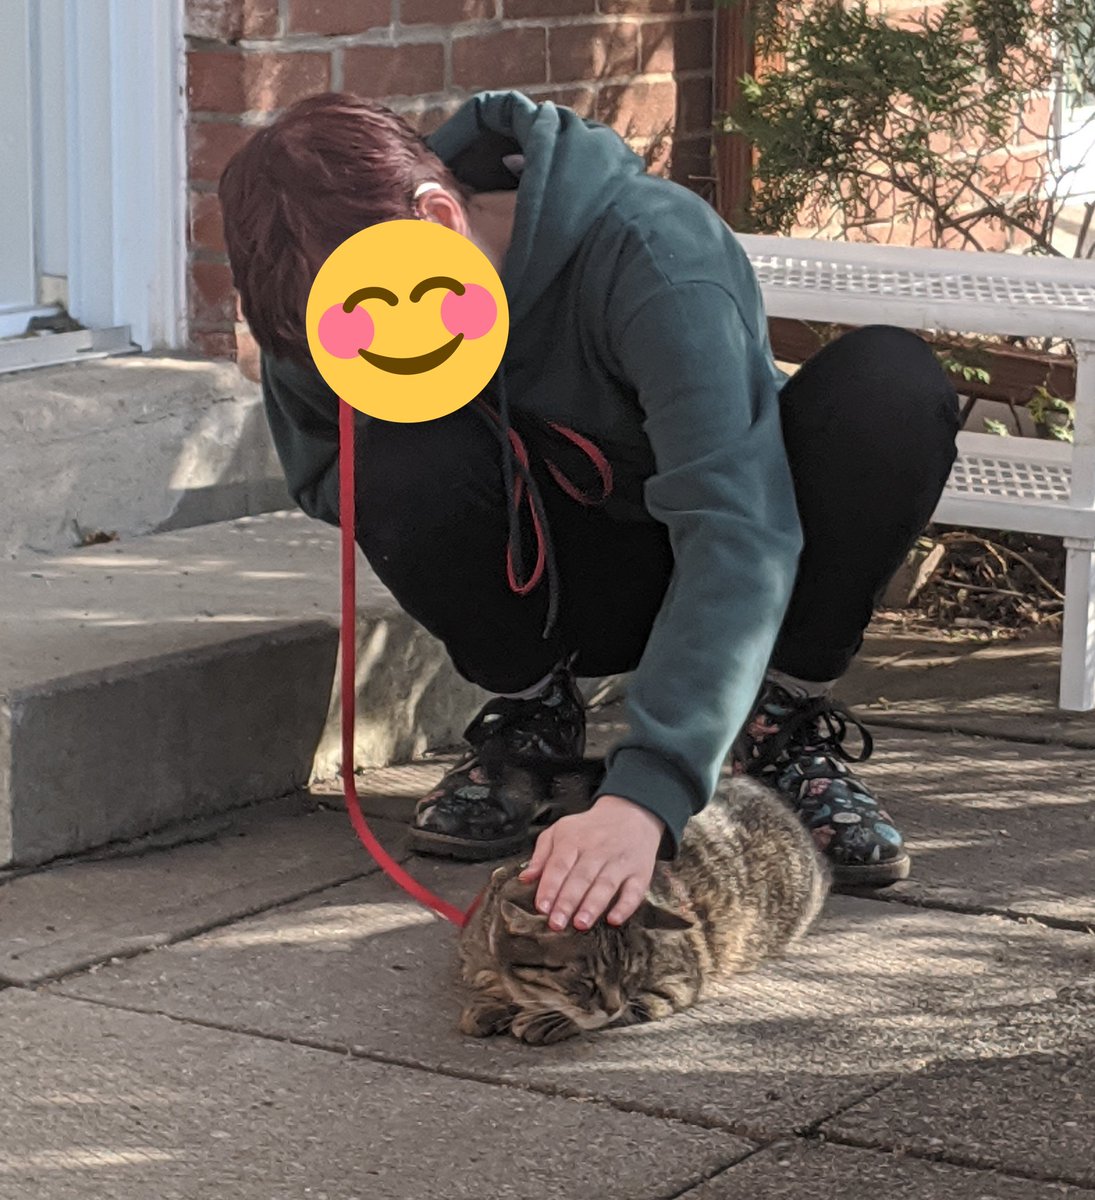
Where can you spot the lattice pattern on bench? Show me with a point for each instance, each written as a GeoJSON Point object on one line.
{"type": "Point", "coordinates": [1029, 485]}
{"type": "Point", "coordinates": [1010, 479]}
{"type": "Point", "coordinates": [978, 287]}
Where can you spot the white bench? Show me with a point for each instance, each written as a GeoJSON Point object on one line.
{"type": "Point", "coordinates": [1023, 484]}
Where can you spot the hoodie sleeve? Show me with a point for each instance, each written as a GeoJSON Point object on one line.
{"type": "Point", "coordinates": [703, 376]}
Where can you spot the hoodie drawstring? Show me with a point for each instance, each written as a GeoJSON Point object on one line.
{"type": "Point", "coordinates": [522, 491]}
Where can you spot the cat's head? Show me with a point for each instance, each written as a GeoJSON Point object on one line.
{"type": "Point", "coordinates": [589, 977]}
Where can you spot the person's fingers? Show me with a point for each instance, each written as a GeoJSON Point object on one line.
{"type": "Point", "coordinates": [540, 854]}
{"type": "Point", "coordinates": [597, 899]}
{"type": "Point", "coordinates": [577, 883]}
{"type": "Point", "coordinates": [555, 872]}
{"type": "Point", "coordinates": [631, 896]}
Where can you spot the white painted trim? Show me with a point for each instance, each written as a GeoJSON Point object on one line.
{"type": "Point", "coordinates": [127, 222]}
{"type": "Point", "coordinates": [17, 279]}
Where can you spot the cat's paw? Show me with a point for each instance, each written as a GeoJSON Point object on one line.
{"type": "Point", "coordinates": [486, 1018]}
{"type": "Point", "coordinates": [543, 1028]}
{"type": "Point", "coordinates": [650, 1007]}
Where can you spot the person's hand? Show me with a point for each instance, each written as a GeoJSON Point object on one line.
{"type": "Point", "coordinates": [586, 860]}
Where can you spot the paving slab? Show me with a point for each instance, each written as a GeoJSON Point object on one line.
{"type": "Point", "coordinates": [930, 680]}
{"type": "Point", "coordinates": [69, 917]}
{"type": "Point", "coordinates": [101, 1104]}
{"type": "Point", "coordinates": [808, 1170]}
{"type": "Point", "coordinates": [879, 991]}
{"type": "Point", "coordinates": [991, 825]}
{"type": "Point", "coordinates": [1029, 1113]}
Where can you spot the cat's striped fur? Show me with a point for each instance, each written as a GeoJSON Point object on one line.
{"type": "Point", "coordinates": [746, 883]}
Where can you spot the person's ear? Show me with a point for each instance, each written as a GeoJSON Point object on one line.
{"type": "Point", "coordinates": [436, 205]}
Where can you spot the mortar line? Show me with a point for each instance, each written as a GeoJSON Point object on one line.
{"type": "Point", "coordinates": [808, 1133]}
{"type": "Point", "coordinates": [924, 725]}
{"type": "Point", "coordinates": [708, 1176]}
{"type": "Point", "coordinates": [969, 1162]}
{"type": "Point", "coordinates": [383, 1058]}
{"type": "Point", "coordinates": [1018, 917]}
{"type": "Point", "coordinates": [186, 935]}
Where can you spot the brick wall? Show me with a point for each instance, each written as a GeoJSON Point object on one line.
{"type": "Point", "coordinates": [643, 66]}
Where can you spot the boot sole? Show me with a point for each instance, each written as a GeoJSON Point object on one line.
{"type": "Point", "coordinates": [441, 845]}
{"type": "Point", "coordinates": [870, 875]}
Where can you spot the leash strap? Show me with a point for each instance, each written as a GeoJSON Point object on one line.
{"type": "Point", "coordinates": [348, 526]}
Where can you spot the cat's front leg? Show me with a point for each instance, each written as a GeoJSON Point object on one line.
{"type": "Point", "coordinates": [656, 1006]}
{"type": "Point", "coordinates": [543, 1028]}
{"type": "Point", "coordinates": [485, 1017]}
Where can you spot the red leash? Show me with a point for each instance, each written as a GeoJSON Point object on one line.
{"type": "Point", "coordinates": [346, 518]}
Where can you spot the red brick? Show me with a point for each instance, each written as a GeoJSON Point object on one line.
{"type": "Point", "coordinates": [428, 119]}
{"type": "Point", "coordinates": [669, 46]}
{"type": "Point", "coordinates": [592, 51]}
{"type": "Point", "coordinates": [229, 20]}
{"type": "Point", "coordinates": [582, 99]}
{"type": "Point", "coordinates": [379, 71]}
{"type": "Point", "coordinates": [206, 226]}
{"type": "Point", "coordinates": [525, 9]}
{"type": "Point", "coordinates": [214, 81]}
{"type": "Point", "coordinates": [694, 105]}
{"type": "Point", "coordinates": [247, 352]}
{"type": "Point", "coordinates": [333, 17]}
{"type": "Point", "coordinates": [510, 58]}
{"type": "Point", "coordinates": [210, 144]}
{"type": "Point", "coordinates": [234, 82]}
{"type": "Point", "coordinates": [217, 20]}
{"type": "Point", "coordinates": [1034, 124]}
{"type": "Point", "coordinates": [638, 109]}
{"type": "Point", "coordinates": [444, 12]}
{"type": "Point", "coordinates": [212, 297]}
{"type": "Point", "coordinates": [637, 8]}
{"type": "Point", "coordinates": [214, 343]}
{"type": "Point", "coordinates": [273, 81]}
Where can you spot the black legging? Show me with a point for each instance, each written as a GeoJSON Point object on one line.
{"type": "Point", "coordinates": [869, 424]}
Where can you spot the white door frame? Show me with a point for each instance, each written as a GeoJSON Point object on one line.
{"type": "Point", "coordinates": [125, 77]}
{"type": "Point", "coordinates": [17, 278]}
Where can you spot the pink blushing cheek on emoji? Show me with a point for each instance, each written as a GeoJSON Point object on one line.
{"type": "Point", "coordinates": [473, 314]}
{"type": "Point", "coordinates": [343, 334]}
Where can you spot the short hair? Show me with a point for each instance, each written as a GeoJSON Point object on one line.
{"type": "Point", "coordinates": [327, 167]}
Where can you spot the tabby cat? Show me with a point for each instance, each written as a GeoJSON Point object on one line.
{"type": "Point", "coordinates": [745, 884]}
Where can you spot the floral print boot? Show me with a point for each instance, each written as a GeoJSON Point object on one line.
{"type": "Point", "coordinates": [468, 815]}
{"type": "Point", "coordinates": [796, 744]}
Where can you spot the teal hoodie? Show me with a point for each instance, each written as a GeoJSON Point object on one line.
{"type": "Point", "coordinates": [636, 319]}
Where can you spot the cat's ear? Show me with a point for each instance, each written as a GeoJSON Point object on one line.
{"type": "Point", "coordinates": [653, 916]}
{"type": "Point", "coordinates": [519, 921]}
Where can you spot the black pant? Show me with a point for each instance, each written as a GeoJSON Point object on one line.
{"type": "Point", "coordinates": [869, 425]}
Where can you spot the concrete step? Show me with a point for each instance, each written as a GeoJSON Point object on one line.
{"type": "Point", "coordinates": [130, 445]}
{"type": "Point", "coordinates": [189, 672]}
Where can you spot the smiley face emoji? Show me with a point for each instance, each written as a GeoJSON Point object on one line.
{"type": "Point", "coordinates": [407, 320]}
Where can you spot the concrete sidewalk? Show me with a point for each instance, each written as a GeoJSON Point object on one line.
{"type": "Point", "coordinates": [255, 1013]}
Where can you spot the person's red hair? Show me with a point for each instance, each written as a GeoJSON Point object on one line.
{"type": "Point", "coordinates": [327, 167]}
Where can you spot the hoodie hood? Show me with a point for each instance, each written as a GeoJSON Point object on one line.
{"type": "Point", "coordinates": [565, 156]}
